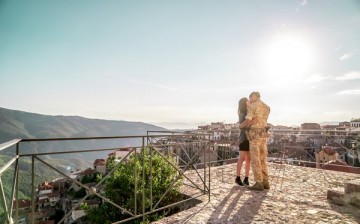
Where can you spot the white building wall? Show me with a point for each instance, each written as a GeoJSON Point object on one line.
{"type": "Point", "coordinates": [77, 214]}
{"type": "Point", "coordinates": [217, 135]}
{"type": "Point", "coordinates": [101, 169]}
{"type": "Point", "coordinates": [45, 192]}
{"type": "Point", "coordinates": [355, 124]}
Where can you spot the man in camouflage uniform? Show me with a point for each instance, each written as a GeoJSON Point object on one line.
{"type": "Point", "coordinates": [256, 120]}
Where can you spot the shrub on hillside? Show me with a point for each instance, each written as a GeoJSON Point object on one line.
{"type": "Point", "coordinates": [120, 187]}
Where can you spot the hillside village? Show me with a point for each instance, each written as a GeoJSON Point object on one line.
{"type": "Point", "coordinates": [333, 147]}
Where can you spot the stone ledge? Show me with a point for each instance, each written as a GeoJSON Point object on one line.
{"type": "Point", "coordinates": [352, 186]}
{"type": "Point", "coordinates": [350, 195]}
{"type": "Point", "coordinates": [336, 196]}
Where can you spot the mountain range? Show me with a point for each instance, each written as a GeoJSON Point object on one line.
{"type": "Point", "coordinates": [20, 124]}
{"type": "Point", "coordinates": [16, 124]}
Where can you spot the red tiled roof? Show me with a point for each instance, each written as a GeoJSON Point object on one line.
{"type": "Point", "coordinates": [46, 222]}
{"type": "Point", "coordinates": [99, 162]}
{"type": "Point", "coordinates": [23, 203]}
{"type": "Point", "coordinates": [328, 150]}
{"type": "Point", "coordinates": [45, 186]}
{"type": "Point", "coordinates": [111, 154]}
{"type": "Point", "coordinates": [88, 172]}
{"type": "Point", "coordinates": [310, 126]}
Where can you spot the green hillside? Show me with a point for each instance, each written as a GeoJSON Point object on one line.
{"type": "Point", "coordinates": [18, 124]}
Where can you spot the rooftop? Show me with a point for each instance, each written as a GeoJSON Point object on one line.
{"type": "Point", "coordinates": [297, 195]}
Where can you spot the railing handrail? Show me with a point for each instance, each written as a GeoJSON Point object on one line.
{"type": "Point", "coordinates": [100, 137]}
{"type": "Point", "coordinates": [9, 143]}
{"type": "Point", "coordinates": [312, 130]}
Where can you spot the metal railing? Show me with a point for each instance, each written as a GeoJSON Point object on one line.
{"type": "Point", "coordinates": [161, 144]}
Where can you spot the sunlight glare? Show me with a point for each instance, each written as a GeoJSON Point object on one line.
{"type": "Point", "coordinates": [288, 54]}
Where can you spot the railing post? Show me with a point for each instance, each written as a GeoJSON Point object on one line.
{"type": "Point", "coordinates": [14, 190]}
{"type": "Point", "coordinates": [204, 169]}
{"type": "Point", "coordinates": [33, 197]}
{"type": "Point", "coordinates": [151, 179]}
{"type": "Point", "coordinates": [135, 180]}
{"type": "Point", "coordinates": [143, 178]}
{"type": "Point", "coordinates": [17, 185]}
{"type": "Point", "coordinates": [3, 199]}
{"type": "Point", "coordinates": [209, 164]}
{"type": "Point", "coordinates": [148, 141]}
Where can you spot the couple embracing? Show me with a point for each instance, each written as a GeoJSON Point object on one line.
{"type": "Point", "coordinates": [253, 115]}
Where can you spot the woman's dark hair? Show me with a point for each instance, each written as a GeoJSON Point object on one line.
{"type": "Point", "coordinates": [242, 106]}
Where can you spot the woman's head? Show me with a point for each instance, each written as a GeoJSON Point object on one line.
{"type": "Point", "coordinates": [242, 106]}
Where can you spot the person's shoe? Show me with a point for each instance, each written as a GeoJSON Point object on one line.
{"type": "Point", "coordinates": [246, 181]}
{"type": "Point", "coordinates": [238, 181]}
{"type": "Point", "coordinates": [258, 186]}
{"type": "Point", "coordinates": [266, 184]}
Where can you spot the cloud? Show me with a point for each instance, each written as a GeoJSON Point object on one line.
{"type": "Point", "coordinates": [152, 84]}
{"type": "Point", "coordinates": [303, 2]}
{"type": "Point", "coordinates": [349, 76]}
{"type": "Point", "coordinates": [337, 48]}
{"type": "Point", "coordinates": [316, 78]}
{"type": "Point", "coordinates": [345, 56]}
{"type": "Point", "coordinates": [350, 92]}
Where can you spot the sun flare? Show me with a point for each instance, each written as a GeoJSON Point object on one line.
{"type": "Point", "coordinates": [288, 54]}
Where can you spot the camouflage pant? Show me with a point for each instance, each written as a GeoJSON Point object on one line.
{"type": "Point", "coordinates": [258, 156]}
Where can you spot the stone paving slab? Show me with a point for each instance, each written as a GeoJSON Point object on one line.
{"type": "Point", "coordinates": [297, 195]}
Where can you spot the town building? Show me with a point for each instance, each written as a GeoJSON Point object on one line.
{"type": "Point", "coordinates": [325, 155]}
{"type": "Point", "coordinates": [355, 123]}
{"type": "Point", "coordinates": [100, 166]}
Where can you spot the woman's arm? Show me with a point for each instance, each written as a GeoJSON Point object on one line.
{"type": "Point", "coordinates": [245, 123]}
{"type": "Point", "coordinates": [250, 112]}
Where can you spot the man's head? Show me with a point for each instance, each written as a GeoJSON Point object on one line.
{"type": "Point", "coordinates": [254, 96]}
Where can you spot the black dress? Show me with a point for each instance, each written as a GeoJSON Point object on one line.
{"type": "Point", "coordinates": [244, 146]}
{"type": "Point", "coordinates": [244, 142]}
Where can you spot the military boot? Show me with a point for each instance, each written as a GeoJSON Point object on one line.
{"type": "Point", "coordinates": [266, 184]}
{"type": "Point", "coordinates": [258, 186]}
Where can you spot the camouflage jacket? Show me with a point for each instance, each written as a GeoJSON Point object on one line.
{"type": "Point", "coordinates": [260, 111]}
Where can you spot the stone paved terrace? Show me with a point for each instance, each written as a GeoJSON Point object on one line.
{"type": "Point", "coordinates": [297, 195]}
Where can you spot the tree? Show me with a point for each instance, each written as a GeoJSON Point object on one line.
{"type": "Point", "coordinates": [120, 187]}
{"type": "Point", "coordinates": [98, 177]}
{"type": "Point", "coordinates": [87, 179]}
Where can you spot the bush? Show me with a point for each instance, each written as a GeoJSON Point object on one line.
{"type": "Point", "coordinates": [120, 187]}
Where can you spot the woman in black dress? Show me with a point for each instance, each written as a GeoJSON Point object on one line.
{"type": "Point", "coordinates": [243, 146]}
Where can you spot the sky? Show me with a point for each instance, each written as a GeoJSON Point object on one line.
{"type": "Point", "coordinates": [179, 64]}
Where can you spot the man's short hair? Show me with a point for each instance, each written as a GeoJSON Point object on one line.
{"type": "Point", "coordinates": [257, 94]}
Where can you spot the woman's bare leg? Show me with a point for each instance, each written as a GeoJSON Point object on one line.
{"type": "Point", "coordinates": [238, 166]}
{"type": "Point", "coordinates": [239, 163]}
